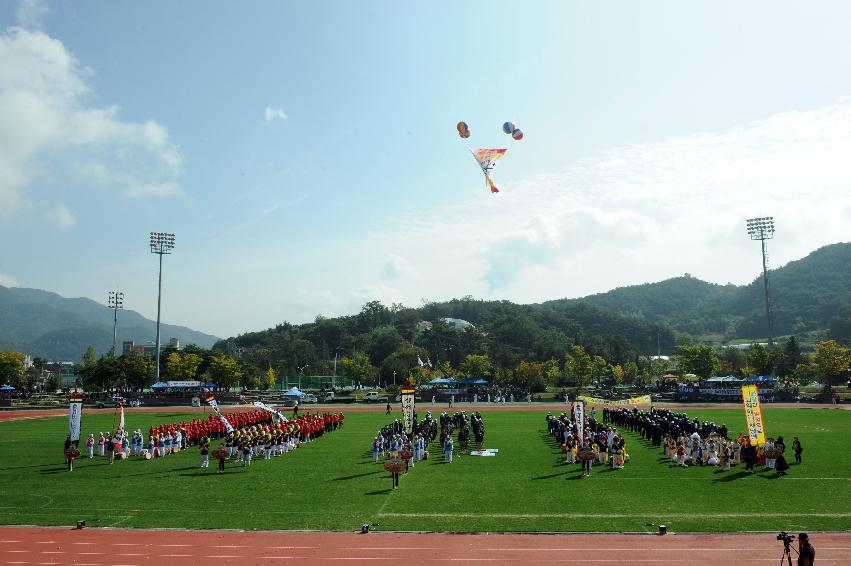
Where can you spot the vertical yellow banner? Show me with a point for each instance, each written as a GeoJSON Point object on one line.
{"type": "Point", "coordinates": [753, 415]}
{"type": "Point", "coordinates": [759, 425]}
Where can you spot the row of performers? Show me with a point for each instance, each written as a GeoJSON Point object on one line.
{"type": "Point", "coordinates": [596, 443]}
{"type": "Point", "coordinates": [403, 450]}
{"type": "Point", "coordinates": [212, 426]}
{"type": "Point", "coordinates": [691, 442]}
{"type": "Point", "coordinates": [270, 439]}
{"type": "Point", "coordinates": [168, 439]}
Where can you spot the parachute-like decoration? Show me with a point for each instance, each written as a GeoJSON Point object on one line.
{"type": "Point", "coordinates": [487, 159]}
{"type": "Point", "coordinates": [463, 130]}
{"type": "Point", "coordinates": [512, 130]}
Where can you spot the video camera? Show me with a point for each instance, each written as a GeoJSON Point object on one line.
{"type": "Point", "coordinates": [786, 538]}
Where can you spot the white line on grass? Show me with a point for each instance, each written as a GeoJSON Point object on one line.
{"type": "Point", "coordinates": [606, 515]}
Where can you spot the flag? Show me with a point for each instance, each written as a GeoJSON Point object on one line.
{"type": "Point", "coordinates": [75, 414]}
{"type": "Point", "coordinates": [212, 401]}
{"type": "Point", "coordinates": [408, 408]}
{"type": "Point", "coordinates": [120, 432]}
{"type": "Point", "coordinates": [753, 415]}
{"type": "Point", "coordinates": [275, 412]}
{"type": "Point", "coordinates": [579, 419]}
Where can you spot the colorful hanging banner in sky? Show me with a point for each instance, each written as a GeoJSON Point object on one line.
{"type": "Point", "coordinates": [753, 415]}
{"type": "Point", "coordinates": [487, 159]}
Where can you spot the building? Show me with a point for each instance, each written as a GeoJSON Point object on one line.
{"type": "Point", "coordinates": [130, 347]}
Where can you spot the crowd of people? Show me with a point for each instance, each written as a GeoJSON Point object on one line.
{"type": "Point", "coordinates": [392, 442]}
{"type": "Point", "coordinates": [595, 443]}
{"type": "Point", "coordinates": [255, 434]}
{"type": "Point", "coordinates": [692, 442]}
{"type": "Point", "coordinates": [687, 442]}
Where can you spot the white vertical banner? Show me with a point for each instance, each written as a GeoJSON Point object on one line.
{"type": "Point", "coordinates": [75, 415]}
{"type": "Point", "coordinates": [275, 412]}
{"type": "Point", "coordinates": [408, 408]}
{"type": "Point", "coordinates": [579, 420]}
{"type": "Point", "coordinates": [212, 401]}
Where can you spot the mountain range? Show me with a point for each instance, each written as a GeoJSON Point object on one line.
{"type": "Point", "coordinates": [811, 295]}
{"type": "Point", "coordinates": [41, 323]}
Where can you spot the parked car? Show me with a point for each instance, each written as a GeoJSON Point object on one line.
{"type": "Point", "coordinates": [114, 402]}
{"type": "Point", "coordinates": [373, 397]}
{"type": "Point", "coordinates": [309, 398]}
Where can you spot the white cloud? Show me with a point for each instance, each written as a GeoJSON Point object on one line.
{"type": "Point", "coordinates": [274, 113]}
{"type": "Point", "coordinates": [8, 280]}
{"type": "Point", "coordinates": [397, 266]}
{"type": "Point", "coordinates": [639, 213]}
{"type": "Point", "coordinates": [30, 13]}
{"type": "Point", "coordinates": [45, 121]}
{"type": "Point", "coordinates": [60, 216]}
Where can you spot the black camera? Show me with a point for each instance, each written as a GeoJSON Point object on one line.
{"type": "Point", "coordinates": [786, 538]}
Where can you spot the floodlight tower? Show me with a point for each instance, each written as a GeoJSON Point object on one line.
{"type": "Point", "coordinates": [116, 301]}
{"type": "Point", "coordinates": [161, 244]}
{"type": "Point", "coordinates": [762, 229]}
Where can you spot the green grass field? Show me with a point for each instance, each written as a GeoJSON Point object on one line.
{"type": "Point", "coordinates": [332, 484]}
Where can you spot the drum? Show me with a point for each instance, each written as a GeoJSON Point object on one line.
{"type": "Point", "coordinates": [120, 455]}
{"type": "Point", "coordinates": [146, 455]}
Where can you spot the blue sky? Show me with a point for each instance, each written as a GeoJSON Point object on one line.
{"type": "Point", "coordinates": [305, 154]}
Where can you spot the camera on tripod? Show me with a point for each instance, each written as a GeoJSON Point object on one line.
{"type": "Point", "coordinates": [786, 538]}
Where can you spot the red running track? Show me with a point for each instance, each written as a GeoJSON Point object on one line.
{"type": "Point", "coordinates": [23, 414]}
{"type": "Point", "coordinates": [57, 546]}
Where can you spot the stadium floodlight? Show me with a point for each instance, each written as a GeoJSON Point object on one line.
{"type": "Point", "coordinates": [161, 244]}
{"type": "Point", "coordinates": [116, 301]}
{"type": "Point", "coordinates": [762, 229]}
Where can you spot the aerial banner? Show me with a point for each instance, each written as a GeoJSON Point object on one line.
{"type": "Point", "coordinates": [408, 408]}
{"type": "Point", "coordinates": [487, 160]}
{"type": "Point", "coordinates": [75, 414]}
{"type": "Point", "coordinates": [275, 412]}
{"type": "Point", "coordinates": [579, 420]}
{"type": "Point", "coordinates": [212, 401]}
{"type": "Point", "coordinates": [753, 415]}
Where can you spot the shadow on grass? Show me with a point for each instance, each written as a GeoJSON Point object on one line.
{"type": "Point", "coordinates": [732, 477]}
{"type": "Point", "coordinates": [52, 471]}
{"type": "Point", "coordinates": [380, 491]}
{"type": "Point", "coordinates": [551, 476]}
{"type": "Point", "coordinates": [198, 474]}
{"type": "Point", "coordinates": [355, 476]}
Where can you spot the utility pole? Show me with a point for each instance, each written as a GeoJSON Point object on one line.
{"type": "Point", "coordinates": [762, 229]}
{"type": "Point", "coordinates": [161, 244]}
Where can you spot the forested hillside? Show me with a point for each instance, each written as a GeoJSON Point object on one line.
{"type": "Point", "coordinates": [48, 325]}
{"type": "Point", "coordinates": [811, 294]}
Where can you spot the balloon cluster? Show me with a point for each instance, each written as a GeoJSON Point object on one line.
{"type": "Point", "coordinates": [463, 130]}
{"type": "Point", "coordinates": [514, 131]}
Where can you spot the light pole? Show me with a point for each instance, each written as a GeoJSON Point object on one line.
{"type": "Point", "coordinates": [301, 371]}
{"type": "Point", "coordinates": [334, 378]}
{"type": "Point", "coordinates": [762, 229]}
{"type": "Point", "coordinates": [116, 301]}
{"type": "Point", "coordinates": [161, 244]}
